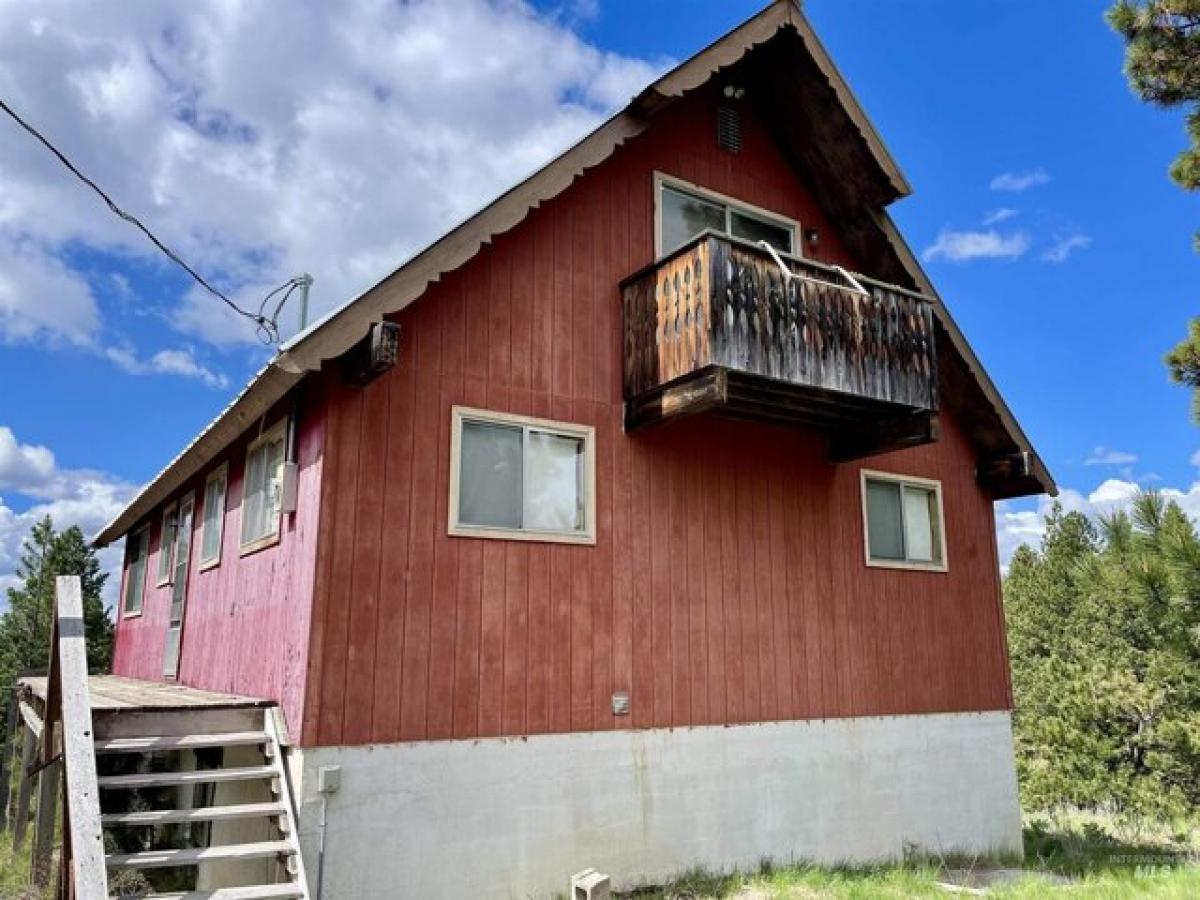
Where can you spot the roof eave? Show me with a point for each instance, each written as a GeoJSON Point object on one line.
{"type": "Point", "coordinates": [1038, 469]}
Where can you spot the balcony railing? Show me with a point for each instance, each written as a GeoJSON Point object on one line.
{"type": "Point", "coordinates": [718, 323]}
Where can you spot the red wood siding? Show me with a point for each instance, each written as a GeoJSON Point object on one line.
{"type": "Point", "coordinates": [727, 583]}
{"type": "Point", "coordinates": [247, 621]}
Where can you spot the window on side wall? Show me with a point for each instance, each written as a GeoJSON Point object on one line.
{"type": "Point", "coordinates": [520, 478]}
{"type": "Point", "coordinates": [262, 489]}
{"type": "Point", "coordinates": [137, 549]}
{"type": "Point", "coordinates": [213, 528]}
{"type": "Point", "coordinates": [166, 546]}
{"type": "Point", "coordinates": [903, 522]}
{"type": "Point", "coordinates": [685, 210]}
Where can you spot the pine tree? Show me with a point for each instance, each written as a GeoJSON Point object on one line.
{"type": "Point", "coordinates": [1183, 362]}
{"type": "Point", "coordinates": [1104, 631]}
{"type": "Point", "coordinates": [25, 627]}
{"type": "Point", "coordinates": [1162, 62]}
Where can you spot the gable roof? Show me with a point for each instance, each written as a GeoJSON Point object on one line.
{"type": "Point", "coordinates": [776, 46]}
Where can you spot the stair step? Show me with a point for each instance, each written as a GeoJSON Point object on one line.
{"type": "Point", "coordinates": [181, 742]}
{"type": "Point", "coordinates": [193, 856]}
{"type": "Point", "coordinates": [198, 776]}
{"type": "Point", "coordinates": [199, 814]}
{"type": "Point", "coordinates": [249, 892]}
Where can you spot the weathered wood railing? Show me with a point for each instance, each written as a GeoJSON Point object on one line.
{"type": "Point", "coordinates": [722, 302]}
{"type": "Point", "coordinates": [58, 749]}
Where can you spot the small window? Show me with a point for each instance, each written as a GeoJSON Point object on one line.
{"type": "Point", "coordinates": [213, 528]}
{"type": "Point", "coordinates": [903, 519]}
{"type": "Point", "coordinates": [755, 229]}
{"type": "Point", "coordinates": [137, 549]}
{"type": "Point", "coordinates": [521, 478]}
{"type": "Point", "coordinates": [262, 491]}
{"type": "Point", "coordinates": [685, 215]}
{"type": "Point", "coordinates": [166, 547]}
{"type": "Point", "coordinates": [685, 211]}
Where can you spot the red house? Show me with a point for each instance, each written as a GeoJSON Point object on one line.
{"type": "Point", "coordinates": [643, 521]}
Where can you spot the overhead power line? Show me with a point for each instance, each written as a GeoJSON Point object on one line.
{"type": "Point", "coordinates": [267, 326]}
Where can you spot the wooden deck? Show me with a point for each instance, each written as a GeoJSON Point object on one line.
{"type": "Point", "coordinates": [110, 693]}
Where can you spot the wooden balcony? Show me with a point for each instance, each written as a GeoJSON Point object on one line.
{"type": "Point", "coordinates": [718, 327]}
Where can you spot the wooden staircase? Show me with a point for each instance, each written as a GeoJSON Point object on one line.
{"type": "Point", "coordinates": [275, 815]}
{"type": "Point", "coordinates": [202, 760]}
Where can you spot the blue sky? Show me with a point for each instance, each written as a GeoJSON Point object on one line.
{"type": "Point", "coordinates": [264, 148]}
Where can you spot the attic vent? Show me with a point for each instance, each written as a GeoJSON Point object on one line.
{"type": "Point", "coordinates": [729, 129]}
{"type": "Point", "coordinates": [373, 355]}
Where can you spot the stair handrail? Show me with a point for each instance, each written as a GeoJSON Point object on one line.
{"type": "Point", "coordinates": [67, 736]}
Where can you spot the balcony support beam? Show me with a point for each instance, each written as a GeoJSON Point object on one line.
{"type": "Point", "coordinates": [707, 391]}
{"type": "Point", "coordinates": [1013, 474]}
{"type": "Point", "coordinates": [883, 437]}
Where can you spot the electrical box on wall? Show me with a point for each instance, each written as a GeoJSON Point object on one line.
{"type": "Point", "coordinates": [289, 487]}
{"type": "Point", "coordinates": [329, 779]}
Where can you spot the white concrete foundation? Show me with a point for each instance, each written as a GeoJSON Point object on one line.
{"type": "Point", "coordinates": [516, 817]}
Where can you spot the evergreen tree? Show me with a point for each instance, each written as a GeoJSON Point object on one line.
{"type": "Point", "coordinates": [25, 627]}
{"type": "Point", "coordinates": [1105, 639]}
{"type": "Point", "coordinates": [1162, 62]}
{"type": "Point", "coordinates": [1183, 362]}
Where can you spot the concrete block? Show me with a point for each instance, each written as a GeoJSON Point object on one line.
{"type": "Point", "coordinates": [590, 885]}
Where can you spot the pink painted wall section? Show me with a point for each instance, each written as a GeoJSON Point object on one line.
{"type": "Point", "coordinates": [246, 626]}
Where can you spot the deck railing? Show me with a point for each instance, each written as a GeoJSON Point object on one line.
{"type": "Point", "coordinates": [718, 301]}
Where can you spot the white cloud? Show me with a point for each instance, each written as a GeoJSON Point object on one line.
{"type": "Point", "coordinates": [26, 468]}
{"type": "Point", "coordinates": [41, 299]}
{"type": "Point", "coordinates": [165, 362]}
{"type": "Point", "coordinates": [80, 497]}
{"type": "Point", "coordinates": [400, 121]}
{"type": "Point", "coordinates": [1194, 459]}
{"type": "Point", "coordinates": [1064, 246]}
{"type": "Point", "coordinates": [1003, 214]}
{"type": "Point", "coordinates": [960, 246]}
{"type": "Point", "coordinates": [1106, 456]}
{"type": "Point", "coordinates": [1016, 525]}
{"type": "Point", "coordinates": [1019, 181]}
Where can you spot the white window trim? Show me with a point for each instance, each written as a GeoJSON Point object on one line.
{"type": "Point", "coordinates": [915, 481]}
{"type": "Point", "coordinates": [126, 613]}
{"type": "Point", "coordinates": [221, 471]}
{"type": "Point", "coordinates": [186, 499]}
{"type": "Point", "coordinates": [661, 179]}
{"type": "Point", "coordinates": [161, 580]}
{"type": "Point", "coordinates": [276, 431]}
{"type": "Point", "coordinates": [459, 414]}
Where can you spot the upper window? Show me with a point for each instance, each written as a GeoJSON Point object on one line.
{"type": "Point", "coordinates": [213, 528]}
{"type": "Point", "coordinates": [136, 550]}
{"type": "Point", "coordinates": [262, 492]}
{"type": "Point", "coordinates": [521, 478]}
{"type": "Point", "coordinates": [685, 210]}
{"type": "Point", "coordinates": [166, 546]}
{"type": "Point", "coordinates": [903, 519]}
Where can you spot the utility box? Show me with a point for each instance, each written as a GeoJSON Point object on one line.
{"type": "Point", "coordinates": [590, 885]}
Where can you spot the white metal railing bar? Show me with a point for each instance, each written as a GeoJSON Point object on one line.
{"type": "Point", "coordinates": [788, 274]}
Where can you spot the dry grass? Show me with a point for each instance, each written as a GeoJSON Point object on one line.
{"type": "Point", "coordinates": [1104, 859]}
{"type": "Point", "coordinates": [14, 873]}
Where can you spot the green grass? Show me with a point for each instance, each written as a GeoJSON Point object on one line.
{"type": "Point", "coordinates": [1103, 859]}
{"type": "Point", "coordinates": [14, 872]}
{"type": "Point", "coordinates": [1106, 861]}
